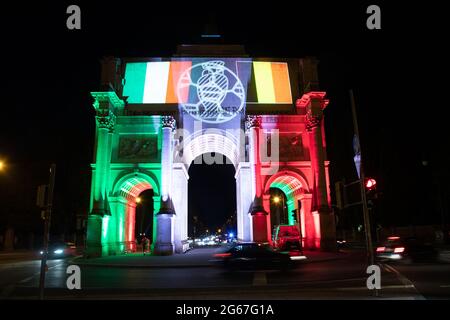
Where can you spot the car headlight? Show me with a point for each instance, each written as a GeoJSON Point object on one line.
{"type": "Point", "coordinates": [42, 252]}
{"type": "Point", "coordinates": [58, 251]}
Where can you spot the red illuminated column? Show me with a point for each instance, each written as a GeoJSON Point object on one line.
{"type": "Point", "coordinates": [165, 218]}
{"type": "Point", "coordinates": [307, 222]}
{"type": "Point", "coordinates": [257, 213]}
{"type": "Point", "coordinates": [315, 103]}
{"type": "Point", "coordinates": [130, 223]}
{"type": "Point", "coordinates": [266, 205]}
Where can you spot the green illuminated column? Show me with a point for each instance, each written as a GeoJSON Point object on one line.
{"type": "Point", "coordinates": [257, 212]}
{"type": "Point", "coordinates": [156, 208]}
{"type": "Point", "coordinates": [164, 244]}
{"type": "Point", "coordinates": [101, 235]}
{"type": "Point", "coordinates": [105, 124]}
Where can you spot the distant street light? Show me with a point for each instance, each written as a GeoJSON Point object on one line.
{"type": "Point", "coordinates": [138, 200]}
{"type": "Point", "coordinates": [276, 199]}
{"type": "Point", "coordinates": [2, 165]}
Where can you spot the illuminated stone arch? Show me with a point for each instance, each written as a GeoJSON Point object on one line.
{"type": "Point", "coordinates": [289, 181]}
{"type": "Point", "coordinates": [296, 188]}
{"type": "Point", "coordinates": [130, 184]}
{"type": "Point", "coordinates": [122, 201]}
{"type": "Point", "coordinates": [207, 141]}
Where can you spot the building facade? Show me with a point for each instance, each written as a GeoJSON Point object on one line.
{"type": "Point", "coordinates": [156, 116]}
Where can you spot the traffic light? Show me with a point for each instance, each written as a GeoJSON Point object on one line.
{"type": "Point", "coordinates": [371, 190]}
{"type": "Point", "coordinates": [371, 184]}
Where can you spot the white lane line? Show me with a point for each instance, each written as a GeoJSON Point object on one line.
{"type": "Point", "coordinates": [38, 273]}
{"type": "Point", "coordinates": [445, 286]}
{"type": "Point", "coordinates": [260, 279]}
{"type": "Point", "coordinates": [404, 280]}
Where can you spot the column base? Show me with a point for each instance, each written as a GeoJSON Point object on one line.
{"type": "Point", "coordinates": [259, 222]}
{"type": "Point", "coordinates": [93, 250]}
{"type": "Point", "coordinates": [328, 232]}
{"type": "Point", "coordinates": [163, 249]}
{"type": "Point", "coordinates": [164, 234]}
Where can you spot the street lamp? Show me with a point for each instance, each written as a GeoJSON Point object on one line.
{"type": "Point", "coordinates": [138, 200]}
{"type": "Point", "coordinates": [276, 199]}
{"type": "Point", "coordinates": [2, 165]}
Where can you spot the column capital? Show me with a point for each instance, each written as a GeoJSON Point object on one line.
{"type": "Point", "coordinates": [253, 122]}
{"type": "Point", "coordinates": [106, 119]}
{"type": "Point", "coordinates": [168, 122]}
{"type": "Point", "coordinates": [312, 120]}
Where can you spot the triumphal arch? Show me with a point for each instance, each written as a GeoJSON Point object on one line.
{"type": "Point", "coordinates": [156, 116]}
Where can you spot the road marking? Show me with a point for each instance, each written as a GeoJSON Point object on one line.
{"type": "Point", "coordinates": [445, 286]}
{"type": "Point", "coordinates": [260, 279]}
{"type": "Point", "coordinates": [39, 273]}
{"type": "Point", "coordinates": [404, 280]}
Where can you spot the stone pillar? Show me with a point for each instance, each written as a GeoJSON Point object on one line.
{"type": "Point", "coordinates": [156, 208]}
{"type": "Point", "coordinates": [164, 244]}
{"type": "Point", "coordinates": [266, 205]}
{"type": "Point", "coordinates": [180, 204]}
{"type": "Point", "coordinates": [315, 103]}
{"type": "Point", "coordinates": [105, 125]}
{"type": "Point", "coordinates": [243, 202]}
{"type": "Point", "coordinates": [309, 229]}
{"type": "Point", "coordinates": [257, 213]}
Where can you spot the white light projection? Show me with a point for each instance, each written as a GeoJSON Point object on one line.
{"type": "Point", "coordinates": [215, 101]}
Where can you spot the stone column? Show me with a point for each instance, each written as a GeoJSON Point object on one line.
{"type": "Point", "coordinates": [257, 213]}
{"type": "Point", "coordinates": [314, 115]}
{"type": "Point", "coordinates": [266, 205]}
{"type": "Point", "coordinates": [309, 230]}
{"type": "Point", "coordinates": [156, 208]}
{"type": "Point", "coordinates": [105, 125]}
{"type": "Point", "coordinates": [165, 219]}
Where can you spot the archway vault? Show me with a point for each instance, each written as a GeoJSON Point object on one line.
{"type": "Point", "coordinates": [290, 182]}
{"type": "Point", "coordinates": [130, 185]}
{"type": "Point", "coordinates": [207, 141]}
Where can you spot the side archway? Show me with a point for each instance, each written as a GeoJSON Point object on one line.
{"type": "Point", "coordinates": [120, 226]}
{"type": "Point", "coordinates": [298, 196]}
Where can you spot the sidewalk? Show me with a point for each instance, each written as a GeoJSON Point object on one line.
{"type": "Point", "coordinates": [192, 258]}
{"type": "Point", "coordinates": [19, 255]}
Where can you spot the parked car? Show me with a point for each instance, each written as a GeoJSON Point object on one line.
{"type": "Point", "coordinates": [287, 238]}
{"type": "Point", "coordinates": [406, 249]}
{"type": "Point", "coordinates": [60, 250]}
{"type": "Point", "coordinates": [244, 256]}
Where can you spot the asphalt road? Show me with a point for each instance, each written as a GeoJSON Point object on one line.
{"type": "Point", "coordinates": [335, 279]}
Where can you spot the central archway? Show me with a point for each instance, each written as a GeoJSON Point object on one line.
{"type": "Point", "coordinates": [211, 197]}
{"type": "Point", "coordinates": [205, 146]}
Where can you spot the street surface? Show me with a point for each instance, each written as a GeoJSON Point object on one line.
{"type": "Point", "coordinates": [340, 277]}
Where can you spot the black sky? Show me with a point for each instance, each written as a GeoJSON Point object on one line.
{"type": "Point", "coordinates": [48, 72]}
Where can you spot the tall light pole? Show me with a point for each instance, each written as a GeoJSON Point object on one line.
{"type": "Point", "coordinates": [48, 215]}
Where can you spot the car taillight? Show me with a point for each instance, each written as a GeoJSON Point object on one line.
{"type": "Point", "coordinates": [381, 249]}
{"type": "Point", "coordinates": [399, 250]}
{"type": "Point", "coordinates": [222, 255]}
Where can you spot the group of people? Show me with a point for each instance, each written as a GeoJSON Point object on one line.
{"type": "Point", "coordinates": [144, 242]}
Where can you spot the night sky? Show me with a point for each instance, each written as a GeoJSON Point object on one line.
{"type": "Point", "coordinates": [49, 71]}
